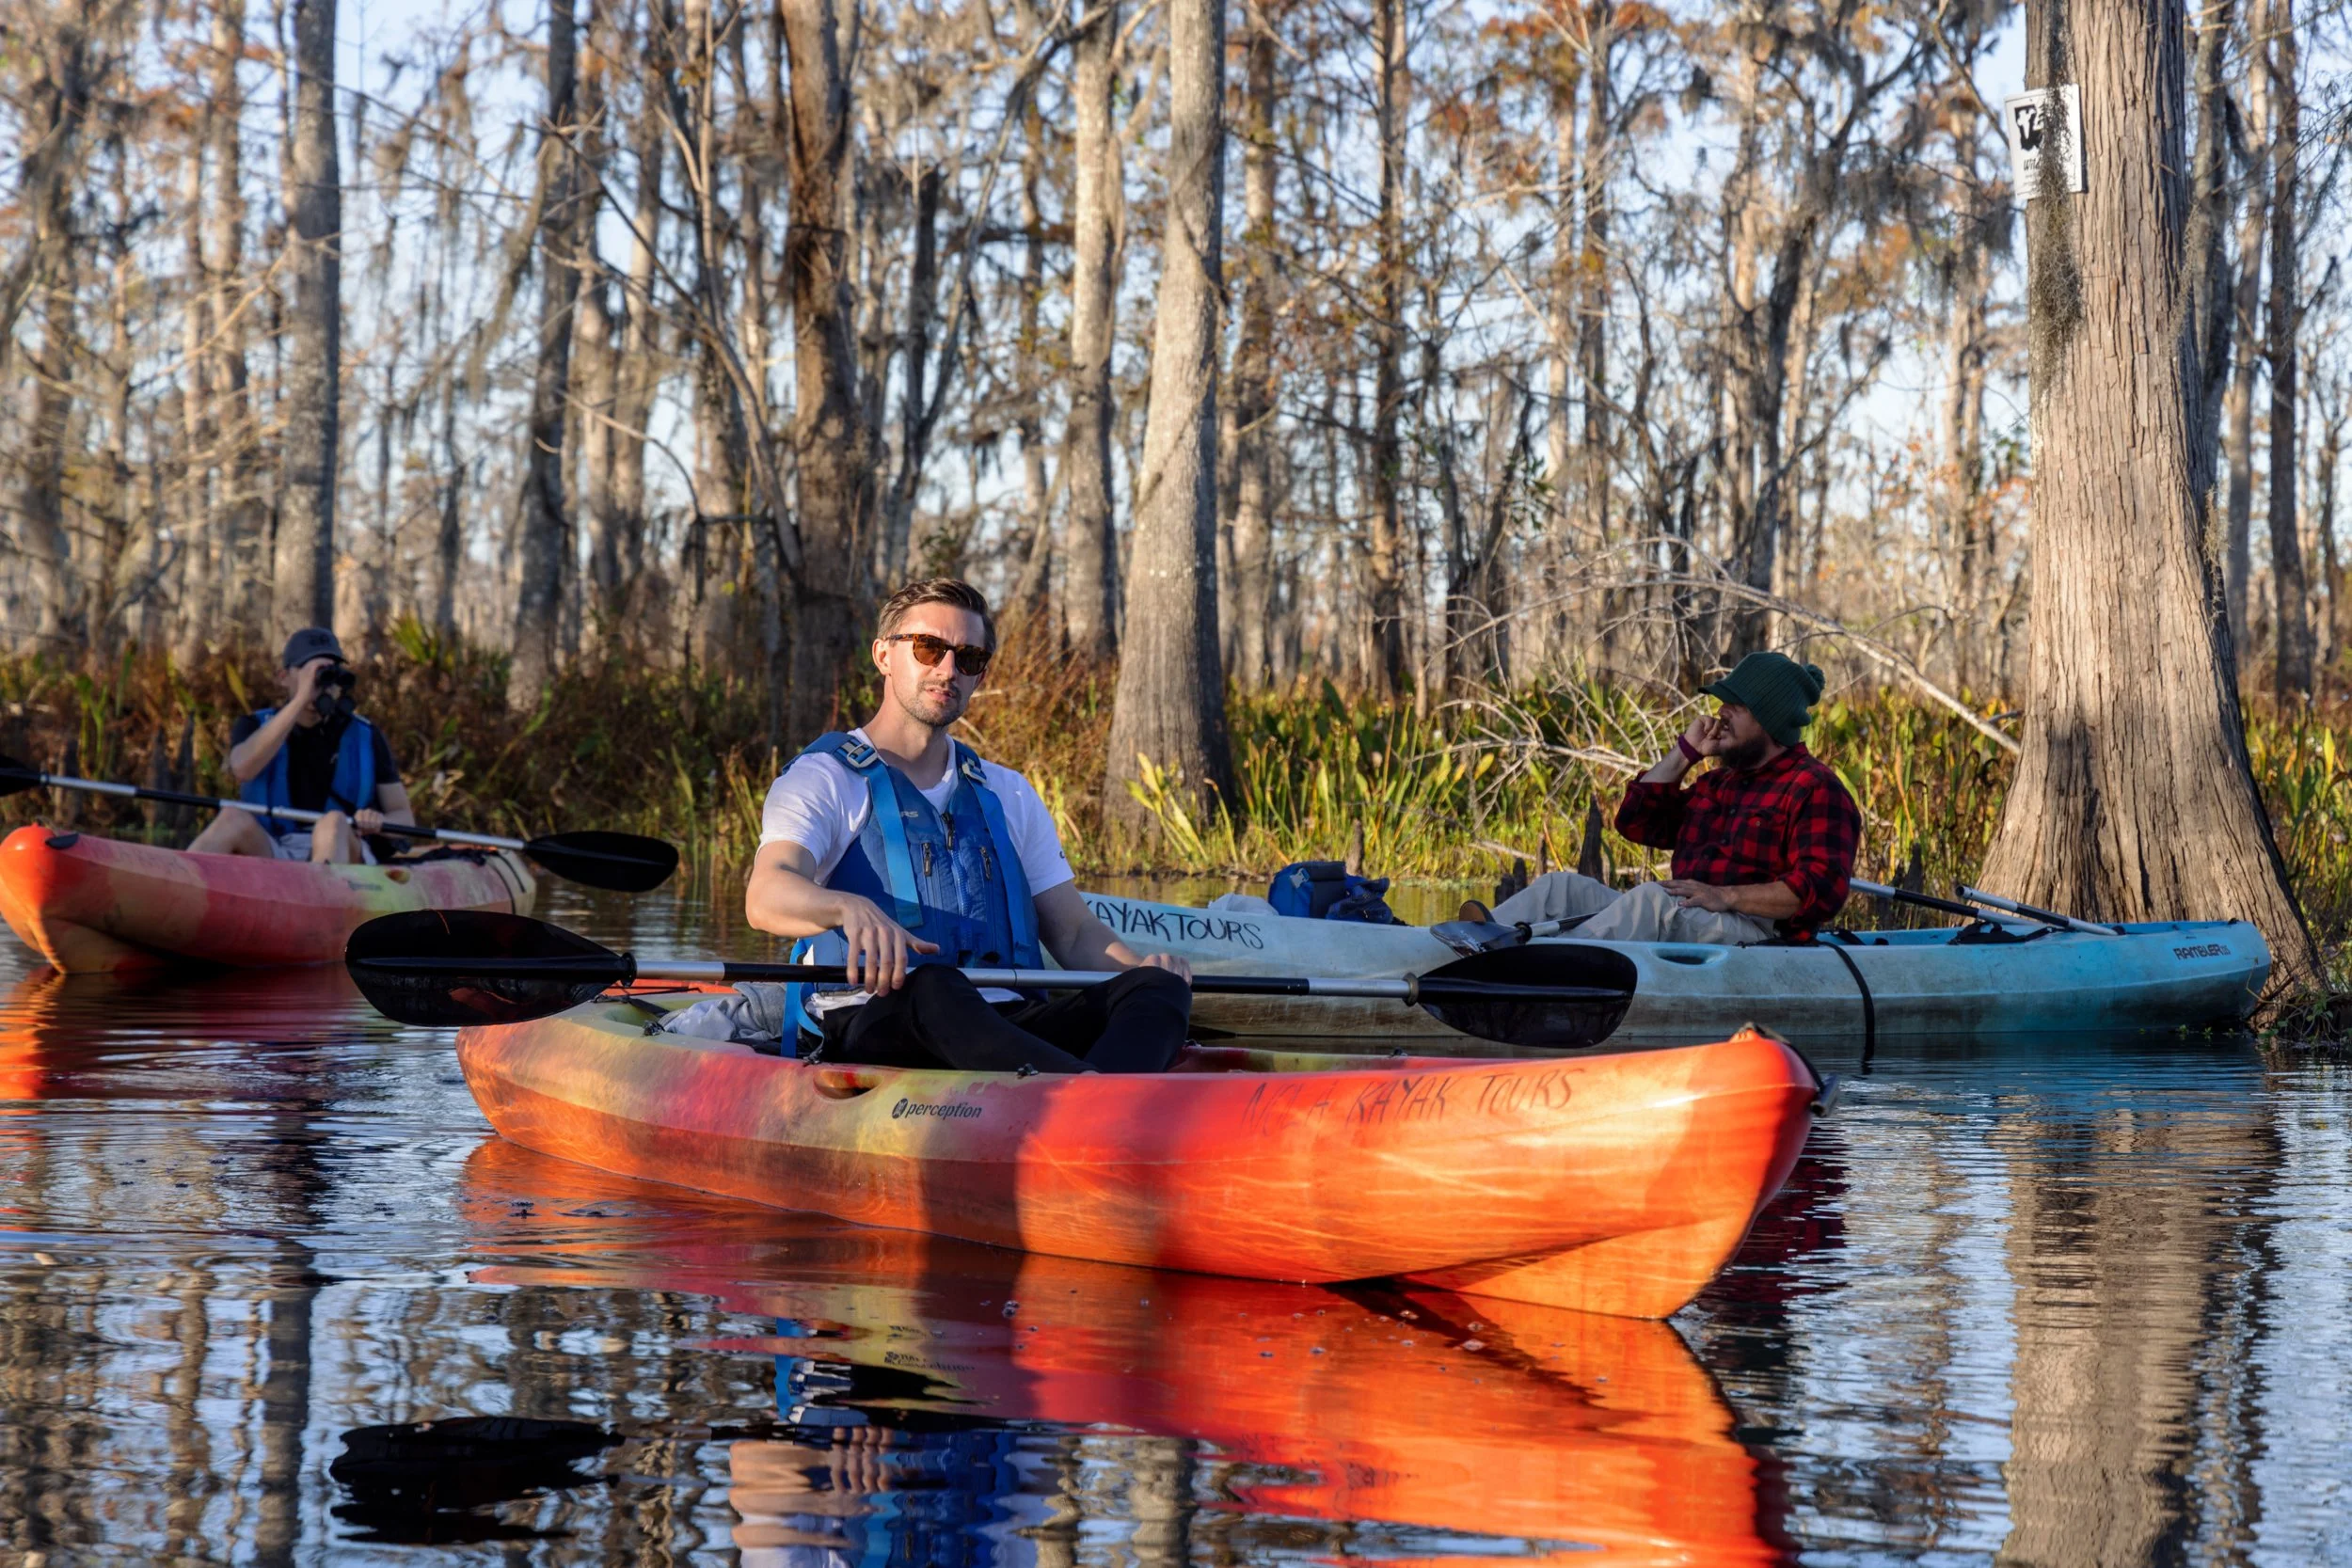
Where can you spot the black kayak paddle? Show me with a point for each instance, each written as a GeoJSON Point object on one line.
{"type": "Point", "coordinates": [622, 862]}
{"type": "Point", "coordinates": [444, 968]}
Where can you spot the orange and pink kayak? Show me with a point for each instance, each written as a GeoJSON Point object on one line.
{"type": "Point", "coordinates": [90, 904]}
{"type": "Point", "coordinates": [1617, 1184]}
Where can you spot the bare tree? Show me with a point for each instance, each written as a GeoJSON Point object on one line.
{"type": "Point", "coordinates": [2329, 410]}
{"type": "Point", "coordinates": [543, 524]}
{"type": "Point", "coordinates": [70, 61]}
{"type": "Point", "coordinates": [1386, 460]}
{"type": "Point", "coordinates": [1090, 543]}
{"type": "Point", "coordinates": [2246, 339]}
{"type": "Point", "coordinates": [1169, 706]}
{"type": "Point", "coordinates": [2134, 798]}
{"type": "Point", "coordinates": [2291, 614]}
{"type": "Point", "coordinates": [1256, 378]}
{"type": "Point", "coordinates": [305, 550]}
{"type": "Point", "coordinates": [835, 483]}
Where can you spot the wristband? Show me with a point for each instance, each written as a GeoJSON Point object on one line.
{"type": "Point", "coordinates": [1683, 742]}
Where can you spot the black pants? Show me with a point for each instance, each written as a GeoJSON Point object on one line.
{"type": "Point", "coordinates": [1133, 1023]}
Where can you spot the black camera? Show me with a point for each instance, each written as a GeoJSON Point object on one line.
{"type": "Point", "coordinates": [335, 684]}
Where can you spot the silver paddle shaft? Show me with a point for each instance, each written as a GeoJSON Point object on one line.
{"type": "Point", "coordinates": [1411, 989]}
{"type": "Point", "coordinates": [2048, 917]}
{"type": "Point", "coordinates": [277, 814]}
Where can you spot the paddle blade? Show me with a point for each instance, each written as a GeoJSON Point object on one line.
{"type": "Point", "coordinates": [1514, 1008]}
{"type": "Point", "coordinates": [17, 777]}
{"type": "Point", "coordinates": [623, 863]}
{"type": "Point", "coordinates": [1467, 937]}
{"type": "Point", "coordinates": [452, 968]}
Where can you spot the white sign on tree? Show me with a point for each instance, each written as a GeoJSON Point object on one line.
{"type": "Point", "coordinates": [2043, 125]}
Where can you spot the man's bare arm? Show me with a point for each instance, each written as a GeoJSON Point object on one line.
{"type": "Point", "coordinates": [785, 900]}
{"type": "Point", "coordinates": [251, 755]}
{"type": "Point", "coordinates": [391, 805]}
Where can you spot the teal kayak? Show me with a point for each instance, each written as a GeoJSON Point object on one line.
{"type": "Point", "coordinates": [1980, 979]}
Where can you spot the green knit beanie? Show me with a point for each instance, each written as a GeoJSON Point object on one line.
{"type": "Point", "coordinates": [1777, 689]}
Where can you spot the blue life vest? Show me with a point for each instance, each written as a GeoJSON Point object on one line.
{"type": "Point", "coordinates": [353, 789]}
{"type": "Point", "coordinates": [951, 877]}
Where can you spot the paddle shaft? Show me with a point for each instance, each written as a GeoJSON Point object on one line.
{"type": "Point", "coordinates": [2048, 917]}
{"type": "Point", "coordinates": [621, 968]}
{"type": "Point", "coordinates": [1976, 903]}
{"type": "Point", "coordinates": [1925, 900]}
{"type": "Point", "coordinates": [281, 814]}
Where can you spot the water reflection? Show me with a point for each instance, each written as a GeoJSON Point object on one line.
{"type": "Point", "coordinates": [1431, 1414]}
{"type": "Point", "coordinates": [436, 1482]}
{"type": "Point", "coordinates": [268, 1293]}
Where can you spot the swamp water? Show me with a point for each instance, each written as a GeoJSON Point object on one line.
{"type": "Point", "coordinates": [270, 1293]}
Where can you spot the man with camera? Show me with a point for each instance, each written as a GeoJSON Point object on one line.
{"type": "Point", "coordinates": [313, 753]}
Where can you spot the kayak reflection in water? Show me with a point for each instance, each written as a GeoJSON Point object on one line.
{"type": "Point", "coordinates": [921, 1418]}
{"type": "Point", "coordinates": [1763, 842]}
{"type": "Point", "coordinates": [900, 854]}
{"type": "Point", "coordinates": [941, 1401]}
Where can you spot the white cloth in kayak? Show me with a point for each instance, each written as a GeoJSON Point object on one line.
{"type": "Point", "coordinates": [1644, 913]}
{"type": "Point", "coordinates": [820, 804]}
{"type": "Point", "coordinates": [754, 1014]}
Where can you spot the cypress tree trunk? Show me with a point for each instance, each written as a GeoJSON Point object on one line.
{"type": "Point", "coordinates": [1170, 702]}
{"type": "Point", "coordinates": [1592, 303]}
{"type": "Point", "coordinates": [837, 477]}
{"type": "Point", "coordinates": [640, 371]}
{"type": "Point", "coordinates": [1387, 555]}
{"type": "Point", "coordinates": [2134, 799]}
{"type": "Point", "coordinates": [1091, 590]}
{"type": "Point", "coordinates": [1255, 379]}
{"type": "Point", "coordinates": [2291, 636]}
{"type": "Point", "coordinates": [2246, 301]}
{"type": "Point", "coordinates": [243, 520]}
{"type": "Point", "coordinates": [304, 555]}
{"type": "Point", "coordinates": [543, 523]}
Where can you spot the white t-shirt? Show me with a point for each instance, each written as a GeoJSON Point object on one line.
{"type": "Point", "coordinates": [820, 805]}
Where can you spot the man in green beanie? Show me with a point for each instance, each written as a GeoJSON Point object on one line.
{"type": "Point", "coordinates": [1763, 842]}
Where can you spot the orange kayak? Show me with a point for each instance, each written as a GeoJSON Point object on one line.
{"type": "Point", "coordinates": [90, 904]}
{"type": "Point", "coordinates": [1615, 1185]}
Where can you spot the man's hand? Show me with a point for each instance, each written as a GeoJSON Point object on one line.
{"type": "Point", "coordinates": [879, 945]}
{"type": "Point", "coordinates": [1169, 961]}
{"type": "Point", "coordinates": [1699, 896]}
{"type": "Point", "coordinates": [1706, 736]}
{"type": "Point", "coordinates": [367, 821]}
{"type": "Point", "coordinates": [307, 683]}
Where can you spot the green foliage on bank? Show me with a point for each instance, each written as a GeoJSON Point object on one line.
{"type": "Point", "coordinates": [1442, 791]}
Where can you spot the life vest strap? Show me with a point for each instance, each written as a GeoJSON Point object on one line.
{"type": "Point", "coordinates": [882, 794]}
{"type": "Point", "coordinates": [1020, 907]}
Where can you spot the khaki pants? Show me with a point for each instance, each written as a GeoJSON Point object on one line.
{"type": "Point", "coordinates": [1647, 912]}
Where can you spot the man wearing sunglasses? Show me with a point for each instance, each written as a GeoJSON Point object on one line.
{"type": "Point", "coordinates": [896, 850]}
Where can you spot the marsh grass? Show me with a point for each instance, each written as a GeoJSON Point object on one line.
{"type": "Point", "coordinates": [1448, 794]}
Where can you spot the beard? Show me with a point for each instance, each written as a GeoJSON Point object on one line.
{"type": "Point", "coordinates": [1746, 754]}
{"type": "Point", "coordinates": [932, 704]}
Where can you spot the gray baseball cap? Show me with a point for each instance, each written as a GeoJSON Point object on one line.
{"type": "Point", "coordinates": [308, 643]}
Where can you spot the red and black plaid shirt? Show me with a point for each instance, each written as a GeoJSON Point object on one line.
{"type": "Point", "coordinates": [1787, 821]}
